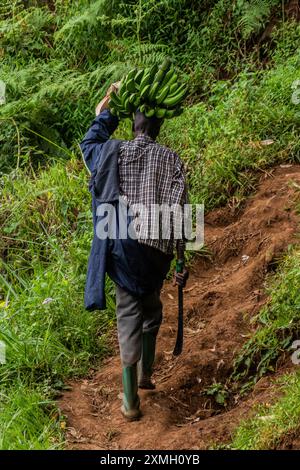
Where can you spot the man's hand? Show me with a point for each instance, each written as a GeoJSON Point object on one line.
{"type": "Point", "coordinates": [180, 279]}
{"type": "Point", "coordinates": [104, 102]}
{"type": "Point", "coordinates": [113, 87]}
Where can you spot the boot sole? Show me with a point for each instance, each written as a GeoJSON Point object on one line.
{"type": "Point", "coordinates": [135, 416]}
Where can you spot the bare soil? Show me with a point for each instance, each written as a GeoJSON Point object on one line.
{"type": "Point", "coordinates": [222, 296]}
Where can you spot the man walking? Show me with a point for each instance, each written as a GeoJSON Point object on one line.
{"type": "Point", "coordinates": [131, 174]}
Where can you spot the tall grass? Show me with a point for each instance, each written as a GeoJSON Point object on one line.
{"type": "Point", "coordinates": [28, 421]}
{"type": "Point", "coordinates": [46, 227]}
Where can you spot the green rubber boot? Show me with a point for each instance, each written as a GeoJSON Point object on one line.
{"type": "Point", "coordinates": [146, 362]}
{"type": "Point", "coordinates": [131, 401]}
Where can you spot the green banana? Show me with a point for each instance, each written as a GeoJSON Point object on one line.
{"type": "Point", "coordinates": [145, 80]}
{"type": "Point", "coordinates": [150, 112]}
{"type": "Point", "coordinates": [162, 71]}
{"type": "Point", "coordinates": [159, 76]}
{"type": "Point", "coordinates": [172, 80]}
{"type": "Point", "coordinates": [113, 111]}
{"type": "Point", "coordinates": [115, 104]}
{"type": "Point", "coordinates": [177, 91]}
{"type": "Point", "coordinates": [152, 72]}
{"type": "Point", "coordinates": [127, 105]}
{"type": "Point", "coordinates": [167, 77]}
{"type": "Point", "coordinates": [132, 98]}
{"type": "Point", "coordinates": [122, 88]}
{"type": "Point", "coordinates": [153, 91]}
{"type": "Point", "coordinates": [138, 77]}
{"type": "Point", "coordinates": [163, 94]}
{"type": "Point", "coordinates": [170, 113]}
{"type": "Point", "coordinates": [115, 99]}
{"type": "Point", "coordinates": [145, 91]}
{"type": "Point", "coordinates": [166, 64]}
{"type": "Point", "coordinates": [173, 88]}
{"type": "Point", "coordinates": [112, 105]}
{"type": "Point", "coordinates": [143, 108]}
{"type": "Point", "coordinates": [172, 101]}
{"type": "Point", "coordinates": [131, 74]}
{"type": "Point", "coordinates": [124, 97]}
{"type": "Point", "coordinates": [130, 85]}
{"type": "Point", "coordinates": [160, 113]}
{"type": "Point", "coordinates": [137, 101]}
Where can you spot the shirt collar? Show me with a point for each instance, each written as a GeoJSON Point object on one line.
{"type": "Point", "coordinates": [143, 138]}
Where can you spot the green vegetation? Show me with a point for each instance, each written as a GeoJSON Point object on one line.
{"type": "Point", "coordinates": [277, 324]}
{"type": "Point", "coordinates": [48, 334]}
{"type": "Point", "coordinates": [57, 59]}
{"type": "Point", "coordinates": [28, 421]}
{"type": "Point", "coordinates": [272, 422]}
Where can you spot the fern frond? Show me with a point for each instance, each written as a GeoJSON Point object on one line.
{"type": "Point", "coordinates": [254, 15]}
{"type": "Point", "coordinates": [10, 8]}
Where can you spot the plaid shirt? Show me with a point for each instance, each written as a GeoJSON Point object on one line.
{"type": "Point", "coordinates": [149, 174]}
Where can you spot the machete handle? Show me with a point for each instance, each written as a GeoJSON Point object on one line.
{"type": "Point", "coordinates": [179, 265]}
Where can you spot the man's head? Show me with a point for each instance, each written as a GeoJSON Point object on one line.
{"type": "Point", "coordinates": [148, 126]}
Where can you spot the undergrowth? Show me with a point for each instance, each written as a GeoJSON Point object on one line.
{"type": "Point", "coordinates": [277, 325]}
{"type": "Point", "coordinates": [272, 423]}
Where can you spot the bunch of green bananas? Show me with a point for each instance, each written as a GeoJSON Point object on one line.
{"type": "Point", "coordinates": [154, 91]}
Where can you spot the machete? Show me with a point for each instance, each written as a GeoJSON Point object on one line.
{"type": "Point", "coordinates": [179, 340]}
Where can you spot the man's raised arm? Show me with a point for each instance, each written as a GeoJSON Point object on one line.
{"type": "Point", "coordinates": [100, 131]}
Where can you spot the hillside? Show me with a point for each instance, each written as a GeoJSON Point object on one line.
{"type": "Point", "coordinates": [239, 139]}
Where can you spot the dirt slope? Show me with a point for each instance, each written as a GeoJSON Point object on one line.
{"type": "Point", "coordinates": [221, 297]}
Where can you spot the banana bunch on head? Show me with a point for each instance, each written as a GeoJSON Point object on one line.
{"type": "Point", "coordinates": [153, 91]}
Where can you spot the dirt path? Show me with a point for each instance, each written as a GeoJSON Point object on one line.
{"type": "Point", "coordinates": [221, 297]}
